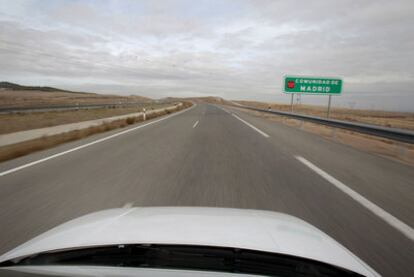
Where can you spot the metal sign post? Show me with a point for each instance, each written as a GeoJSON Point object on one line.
{"type": "Point", "coordinates": [291, 102]}
{"type": "Point", "coordinates": [329, 106]}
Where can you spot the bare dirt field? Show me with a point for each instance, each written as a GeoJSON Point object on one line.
{"type": "Point", "coordinates": [16, 122]}
{"type": "Point", "coordinates": [32, 98]}
{"type": "Point", "coordinates": [384, 118]}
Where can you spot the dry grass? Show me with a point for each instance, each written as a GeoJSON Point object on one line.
{"type": "Point", "coordinates": [402, 152]}
{"type": "Point", "coordinates": [10, 123]}
{"type": "Point", "coordinates": [383, 118]}
{"type": "Point", "coordinates": [20, 149]}
{"type": "Point", "coordinates": [24, 148]}
{"type": "Point", "coordinates": [26, 98]}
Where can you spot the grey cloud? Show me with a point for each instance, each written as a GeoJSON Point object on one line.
{"type": "Point", "coordinates": [236, 49]}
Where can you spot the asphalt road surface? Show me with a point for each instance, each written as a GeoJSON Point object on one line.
{"type": "Point", "coordinates": [217, 156]}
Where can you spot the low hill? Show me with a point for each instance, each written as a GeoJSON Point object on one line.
{"type": "Point", "coordinates": [14, 95]}
{"type": "Point", "coordinates": [13, 86]}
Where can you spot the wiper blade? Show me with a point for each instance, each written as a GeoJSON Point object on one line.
{"type": "Point", "coordinates": [209, 258]}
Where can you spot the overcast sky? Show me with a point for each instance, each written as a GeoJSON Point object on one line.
{"type": "Point", "coordinates": [233, 49]}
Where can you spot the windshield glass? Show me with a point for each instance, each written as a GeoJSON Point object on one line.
{"type": "Point", "coordinates": [204, 258]}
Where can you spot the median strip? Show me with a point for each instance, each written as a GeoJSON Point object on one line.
{"type": "Point", "coordinates": [87, 144]}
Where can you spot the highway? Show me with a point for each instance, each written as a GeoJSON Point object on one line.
{"type": "Point", "coordinates": [218, 156]}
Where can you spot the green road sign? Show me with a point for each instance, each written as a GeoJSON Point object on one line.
{"type": "Point", "coordinates": [313, 85]}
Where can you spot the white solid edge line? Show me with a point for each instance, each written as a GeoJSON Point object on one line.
{"type": "Point", "coordinates": [89, 144]}
{"type": "Point", "coordinates": [251, 126]}
{"type": "Point", "coordinates": [220, 107]}
{"type": "Point", "coordinates": [195, 124]}
{"type": "Point", "coordinates": [384, 215]}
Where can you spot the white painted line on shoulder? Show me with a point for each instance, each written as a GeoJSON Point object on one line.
{"type": "Point", "coordinates": [378, 211]}
{"type": "Point", "coordinates": [195, 124]}
{"type": "Point", "coordinates": [88, 144]}
{"type": "Point", "coordinates": [223, 109]}
{"type": "Point", "coordinates": [251, 126]}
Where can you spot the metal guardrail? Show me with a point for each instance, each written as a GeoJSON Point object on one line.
{"type": "Point", "coordinates": [29, 109]}
{"type": "Point", "coordinates": [375, 130]}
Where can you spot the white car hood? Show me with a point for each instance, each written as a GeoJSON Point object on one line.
{"type": "Point", "coordinates": [237, 228]}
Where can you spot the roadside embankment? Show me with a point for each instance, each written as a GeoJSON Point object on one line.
{"type": "Point", "coordinates": [398, 151]}
{"type": "Point", "coordinates": [401, 120]}
{"type": "Point", "coordinates": [22, 143]}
